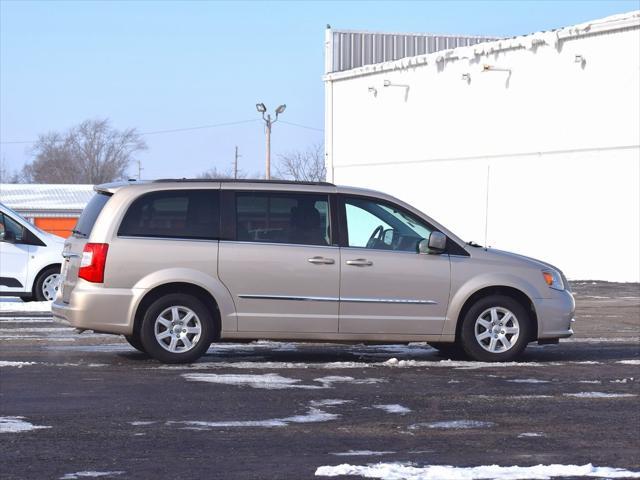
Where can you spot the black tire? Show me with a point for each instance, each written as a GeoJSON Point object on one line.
{"type": "Point", "coordinates": [181, 301]}
{"type": "Point", "coordinates": [474, 347]}
{"type": "Point", "coordinates": [38, 293]}
{"type": "Point", "coordinates": [135, 342]}
{"type": "Point", "coordinates": [451, 350]}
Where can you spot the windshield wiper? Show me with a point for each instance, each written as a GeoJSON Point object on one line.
{"type": "Point", "coordinates": [473, 244]}
{"type": "Point", "coordinates": [79, 233]}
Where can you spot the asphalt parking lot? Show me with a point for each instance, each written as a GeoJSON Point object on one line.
{"type": "Point", "coordinates": [74, 406]}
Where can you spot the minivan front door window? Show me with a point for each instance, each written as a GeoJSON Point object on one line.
{"type": "Point", "coordinates": [379, 226]}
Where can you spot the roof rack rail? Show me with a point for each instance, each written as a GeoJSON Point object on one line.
{"type": "Point", "coordinates": [241, 180]}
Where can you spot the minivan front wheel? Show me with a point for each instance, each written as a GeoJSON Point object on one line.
{"type": "Point", "coordinates": [495, 329]}
{"type": "Point", "coordinates": [176, 328]}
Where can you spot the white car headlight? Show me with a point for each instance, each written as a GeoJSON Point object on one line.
{"type": "Point", "coordinates": [553, 279]}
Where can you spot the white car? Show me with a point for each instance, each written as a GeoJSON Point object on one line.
{"type": "Point", "coordinates": [30, 258]}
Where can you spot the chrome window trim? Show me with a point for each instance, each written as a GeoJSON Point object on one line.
{"type": "Point", "coordinates": [246, 242]}
{"type": "Point", "coordinates": [177, 239]}
{"type": "Point", "coordinates": [336, 299]}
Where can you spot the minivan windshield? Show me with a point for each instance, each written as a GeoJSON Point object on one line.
{"type": "Point", "coordinates": [90, 214]}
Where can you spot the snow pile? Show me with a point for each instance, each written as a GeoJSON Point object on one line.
{"type": "Point", "coordinates": [399, 471]}
{"type": "Point", "coordinates": [6, 363]}
{"type": "Point", "coordinates": [44, 307]}
{"type": "Point", "coordinates": [17, 424]}
{"type": "Point", "coordinates": [395, 408]}
{"type": "Point", "coordinates": [330, 402]}
{"type": "Point", "coordinates": [598, 395]}
{"type": "Point", "coordinates": [530, 434]}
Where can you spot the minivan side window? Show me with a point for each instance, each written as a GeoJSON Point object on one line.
{"type": "Point", "coordinates": [294, 218]}
{"type": "Point", "coordinates": [189, 214]}
{"type": "Point", "coordinates": [382, 226]}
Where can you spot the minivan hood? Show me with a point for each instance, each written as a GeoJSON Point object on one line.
{"type": "Point", "coordinates": [510, 257]}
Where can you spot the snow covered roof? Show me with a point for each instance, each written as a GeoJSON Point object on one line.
{"type": "Point", "coordinates": [45, 197]}
{"type": "Point", "coordinates": [530, 41]}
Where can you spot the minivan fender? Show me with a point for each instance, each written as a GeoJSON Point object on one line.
{"type": "Point", "coordinates": [480, 282]}
{"type": "Point", "coordinates": [222, 296]}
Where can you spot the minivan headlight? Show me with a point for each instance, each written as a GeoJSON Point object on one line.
{"type": "Point", "coordinates": [553, 279]}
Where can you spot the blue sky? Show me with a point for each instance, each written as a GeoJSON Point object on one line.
{"type": "Point", "coordinates": [170, 65]}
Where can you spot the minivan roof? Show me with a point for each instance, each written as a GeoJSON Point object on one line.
{"type": "Point", "coordinates": [113, 186]}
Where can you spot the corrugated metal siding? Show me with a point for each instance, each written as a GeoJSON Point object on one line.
{"type": "Point", "coordinates": [351, 49]}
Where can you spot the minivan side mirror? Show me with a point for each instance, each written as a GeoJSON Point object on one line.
{"type": "Point", "coordinates": [436, 244]}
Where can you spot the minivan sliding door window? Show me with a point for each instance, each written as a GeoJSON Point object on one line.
{"type": "Point", "coordinates": [292, 218]}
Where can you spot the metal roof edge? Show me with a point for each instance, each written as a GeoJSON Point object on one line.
{"type": "Point", "coordinates": [531, 40]}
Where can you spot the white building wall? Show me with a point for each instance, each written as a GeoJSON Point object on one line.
{"type": "Point", "coordinates": [557, 139]}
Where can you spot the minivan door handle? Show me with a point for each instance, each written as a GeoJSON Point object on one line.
{"type": "Point", "coordinates": [359, 262]}
{"type": "Point", "coordinates": [321, 261]}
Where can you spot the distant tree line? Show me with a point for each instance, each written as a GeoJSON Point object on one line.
{"type": "Point", "coordinates": [94, 152]}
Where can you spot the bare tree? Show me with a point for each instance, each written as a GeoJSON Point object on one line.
{"type": "Point", "coordinates": [92, 152]}
{"type": "Point", "coordinates": [215, 173]}
{"type": "Point", "coordinates": [307, 165]}
{"type": "Point", "coordinates": [6, 175]}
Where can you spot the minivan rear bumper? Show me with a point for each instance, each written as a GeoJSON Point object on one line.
{"type": "Point", "coordinates": [555, 315]}
{"type": "Point", "coordinates": [92, 307]}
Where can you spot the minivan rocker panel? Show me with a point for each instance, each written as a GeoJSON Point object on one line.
{"type": "Point", "coordinates": [176, 265]}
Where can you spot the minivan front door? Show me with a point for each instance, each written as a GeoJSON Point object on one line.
{"type": "Point", "coordinates": [281, 268]}
{"type": "Point", "coordinates": [386, 287]}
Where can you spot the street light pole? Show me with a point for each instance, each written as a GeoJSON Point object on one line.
{"type": "Point", "coordinates": [268, 121]}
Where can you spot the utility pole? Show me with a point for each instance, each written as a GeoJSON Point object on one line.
{"type": "Point", "coordinates": [268, 123]}
{"type": "Point", "coordinates": [235, 164]}
{"type": "Point", "coordinates": [140, 170]}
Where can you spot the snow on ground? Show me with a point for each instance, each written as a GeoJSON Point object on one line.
{"type": "Point", "coordinates": [629, 362]}
{"type": "Point", "coordinates": [398, 471]}
{"type": "Point", "coordinates": [531, 434]}
{"type": "Point", "coordinates": [90, 474]}
{"type": "Point", "coordinates": [453, 424]}
{"type": "Point", "coordinates": [362, 453]}
{"type": "Point", "coordinates": [17, 424]}
{"type": "Point", "coordinates": [273, 381]}
{"type": "Point", "coordinates": [598, 395]}
{"type": "Point", "coordinates": [527, 380]}
{"type": "Point", "coordinates": [393, 408]}
{"type": "Point", "coordinates": [268, 381]}
{"type": "Point", "coordinates": [44, 307]}
{"type": "Point", "coordinates": [6, 363]}
{"type": "Point", "coordinates": [313, 415]}
{"type": "Point", "coordinates": [330, 402]}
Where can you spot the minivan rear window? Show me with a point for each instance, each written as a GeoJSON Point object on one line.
{"type": "Point", "coordinates": [90, 214]}
{"type": "Point", "coordinates": [190, 214]}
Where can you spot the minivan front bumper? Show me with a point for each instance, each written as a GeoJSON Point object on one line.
{"type": "Point", "coordinates": [92, 307]}
{"type": "Point", "coordinates": [555, 315]}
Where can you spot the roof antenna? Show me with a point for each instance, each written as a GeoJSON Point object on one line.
{"type": "Point", "coordinates": [486, 209]}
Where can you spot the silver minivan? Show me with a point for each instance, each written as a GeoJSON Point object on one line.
{"type": "Point", "coordinates": [174, 265]}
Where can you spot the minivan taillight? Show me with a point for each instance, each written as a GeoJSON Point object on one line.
{"type": "Point", "coordinates": [94, 258]}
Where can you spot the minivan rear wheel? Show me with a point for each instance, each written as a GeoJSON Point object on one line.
{"type": "Point", "coordinates": [176, 328]}
{"type": "Point", "coordinates": [496, 328]}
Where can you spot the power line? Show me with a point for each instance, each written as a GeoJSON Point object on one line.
{"type": "Point", "coordinates": [185, 129]}
{"type": "Point", "coordinates": [302, 126]}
